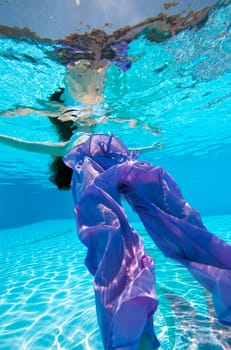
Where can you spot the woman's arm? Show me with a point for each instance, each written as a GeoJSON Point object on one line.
{"type": "Point", "coordinates": [145, 149]}
{"type": "Point", "coordinates": [58, 149]}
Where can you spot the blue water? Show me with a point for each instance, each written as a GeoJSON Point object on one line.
{"type": "Point", "coordinates": [180, 87]}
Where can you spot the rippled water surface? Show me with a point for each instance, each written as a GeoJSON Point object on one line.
{"type": "Point", "coordinates": [181, 89]}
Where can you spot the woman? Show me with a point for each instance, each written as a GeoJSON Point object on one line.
{"type": "Point", "coordinates": [103, 171]}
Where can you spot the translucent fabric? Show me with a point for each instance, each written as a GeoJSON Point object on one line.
{"type": "Point", "coordinates": [103, 173]}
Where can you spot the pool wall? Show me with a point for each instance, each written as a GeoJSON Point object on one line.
{"type": "Point", "coordinates": [205, 184]}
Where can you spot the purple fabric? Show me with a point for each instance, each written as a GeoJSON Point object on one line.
{"type": "Point", "coordinates": [71, 53]}
{"type": "Point", "coordinates": [124, 277]}
{"type": "Point", "coordinates": [121, 59]}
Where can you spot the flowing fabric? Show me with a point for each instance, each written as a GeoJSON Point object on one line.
{"type": "Point", "coordinates": [103, 173]}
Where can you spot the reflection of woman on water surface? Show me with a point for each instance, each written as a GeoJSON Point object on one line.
{"type": "Point", "coordinates": [86, 59]}
{"type": "Point", "coordinates": [82, 94]}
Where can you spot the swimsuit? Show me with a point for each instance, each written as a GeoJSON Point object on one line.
{"type": "Point", "coordinates": [124, 282]}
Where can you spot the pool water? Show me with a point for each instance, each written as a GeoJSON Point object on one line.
{"type": "Point", "coordinates": [181, 88]}
{"type": "Point", "coordinates": [47, 299]}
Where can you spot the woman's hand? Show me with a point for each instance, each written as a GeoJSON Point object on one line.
{"type": "Point", "coordinates": [145, 149]}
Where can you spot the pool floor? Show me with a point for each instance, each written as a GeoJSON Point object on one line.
{"type": "Point", "coordinates": [47, 299]}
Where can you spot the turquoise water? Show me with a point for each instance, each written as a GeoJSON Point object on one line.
{"type": "Point", "coordinates": [182, 89]}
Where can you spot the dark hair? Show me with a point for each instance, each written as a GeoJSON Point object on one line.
{"type": "Point", "coordinates": [60, 173]}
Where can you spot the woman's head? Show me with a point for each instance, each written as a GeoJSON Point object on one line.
{"type": "Point", "coordinates": [61, 174]}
